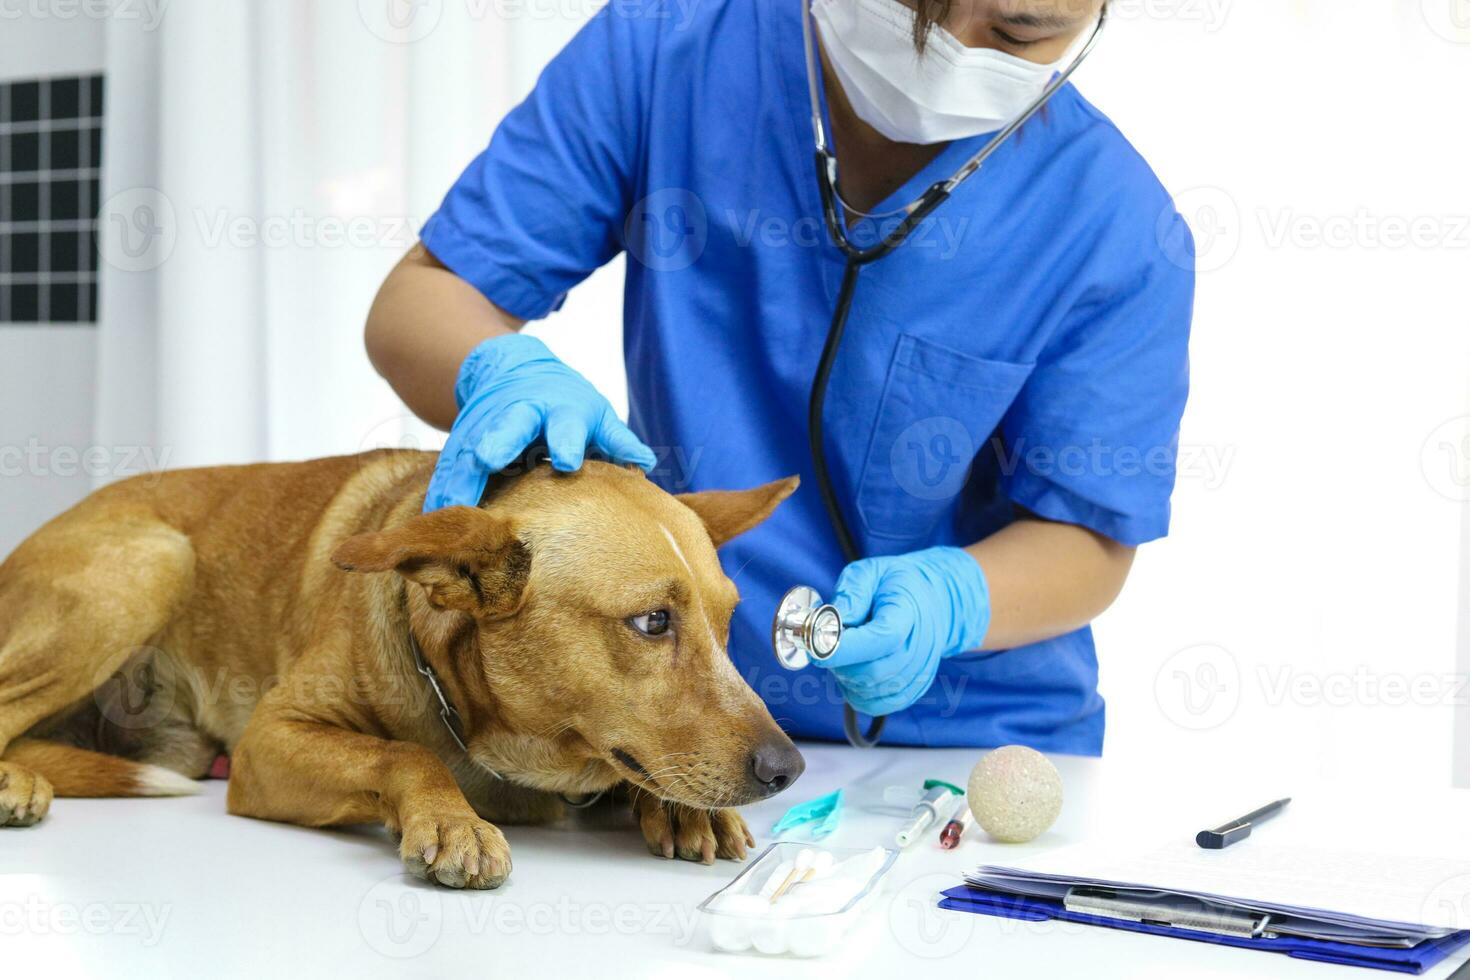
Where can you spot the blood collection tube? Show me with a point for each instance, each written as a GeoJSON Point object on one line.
{"type": "Point", "coordinates": [949, 837]}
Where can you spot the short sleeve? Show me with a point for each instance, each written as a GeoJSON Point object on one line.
{"type": "Point", "coordinates": [1093, 437]}
{"type": "Point", "coordinates": [543, 205]}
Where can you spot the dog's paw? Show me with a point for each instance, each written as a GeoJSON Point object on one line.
{"type": "Point", "coordinates": [25, 796]}
{"type": "Point", "coordinates": [672, 829]}
{"type": "Point", "coordinates": [457, 851]}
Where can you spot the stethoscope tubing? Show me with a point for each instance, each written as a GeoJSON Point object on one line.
{"type": "Point", "coordinates": [857, 257]}
{"type": "Point", "coordinates": [855, 735]}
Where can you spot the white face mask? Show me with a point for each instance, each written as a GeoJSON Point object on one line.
{"type": "Point", "coordinates": [950, 92]}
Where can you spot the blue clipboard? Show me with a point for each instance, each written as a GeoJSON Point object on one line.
{"type": "Point", "coordinates": [1415, 959]}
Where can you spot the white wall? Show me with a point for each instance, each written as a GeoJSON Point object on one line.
{"type": "Point", "coordinates": [46, 371]}
{"type": "Point", "coordinates": [1303, 612]}
{"type": "Point", "coordinates": [45, 425]}
{"type": "Point", "coordinates": [37, 41]}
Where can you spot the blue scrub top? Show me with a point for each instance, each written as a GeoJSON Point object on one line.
{"type": "Point", "coordinates": [1026, 347]}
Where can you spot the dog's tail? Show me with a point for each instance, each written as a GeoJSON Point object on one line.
{"type": "Point", "coordinates": [82, 772]}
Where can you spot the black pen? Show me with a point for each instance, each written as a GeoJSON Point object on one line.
{"type": "Point", "coordinates": [1238, 829]}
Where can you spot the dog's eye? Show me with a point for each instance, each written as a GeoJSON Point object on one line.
{"type": "Point", "coordinates": [655, 623]}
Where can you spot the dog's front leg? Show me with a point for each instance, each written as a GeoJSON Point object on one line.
{"type": "Point", "coordinates": [319, 774]}
{"type": "Point", "coordinates": [690, 833]}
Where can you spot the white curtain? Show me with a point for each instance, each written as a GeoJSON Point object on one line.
{"type": "Point", "coordinates": [265, 165]}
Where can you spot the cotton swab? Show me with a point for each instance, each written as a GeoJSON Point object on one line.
{"type": "Point", "coordinates": [820, 864]}
{"type": "Point", "coordinates": [820, 867]}
{"type": "Point", "coordinates": [805, 859]}
{"type": "Point", "coordinates": [774, 879]}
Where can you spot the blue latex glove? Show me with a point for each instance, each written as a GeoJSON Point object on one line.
{"type": "Point", "coordinates": [903, 614]}
{"type": "Point", "coordinates": [511, 390]}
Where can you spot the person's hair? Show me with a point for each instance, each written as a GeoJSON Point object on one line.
{"type": "Point", "coordinates": [927, 13]}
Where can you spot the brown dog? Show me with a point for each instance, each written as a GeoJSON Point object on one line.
{"type": "Point", "coordinates": [575, 622]}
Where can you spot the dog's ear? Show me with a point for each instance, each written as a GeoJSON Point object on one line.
{"type": "Point", "coordinates": [467, 559]}
{"type": "Point", "coordinates": [728, 513]}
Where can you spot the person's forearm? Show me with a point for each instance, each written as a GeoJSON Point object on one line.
{"type": "Point", "coordinates": [1047, 579]}
{"type": "Point", "coordinates": [423, 324]}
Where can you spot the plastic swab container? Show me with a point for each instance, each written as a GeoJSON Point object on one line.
{"type": "Point", "coordinates": [811, 917]}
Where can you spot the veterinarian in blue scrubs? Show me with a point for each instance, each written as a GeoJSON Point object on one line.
{"type": "Point", "coordinates": [1002, 420]}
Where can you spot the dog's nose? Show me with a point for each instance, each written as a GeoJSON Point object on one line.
{"type": "Point", "coordinates": [775, 764]}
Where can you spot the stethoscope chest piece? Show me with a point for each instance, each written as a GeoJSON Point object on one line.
{"type": "Point", "coordinates": [805, 629]}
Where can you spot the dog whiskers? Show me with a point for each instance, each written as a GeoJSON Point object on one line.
{"type": "Point", "coordinates": [742, 568]}
{"type": "Point", "coordinates": [651, 774]}
{"type": "Point", "coordinates": [652, 777]}
{"type": "Point", "coordinates": [684, 783]}
{"type": "Point", "coordinates": [680, 778]}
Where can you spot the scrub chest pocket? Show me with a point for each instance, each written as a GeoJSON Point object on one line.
{"type": "Point", "coordinates": [938, 409]}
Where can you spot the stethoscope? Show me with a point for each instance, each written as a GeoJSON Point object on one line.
{"type": "Point", "coordinates": [805, 627]}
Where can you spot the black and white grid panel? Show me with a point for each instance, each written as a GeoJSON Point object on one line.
{"type": "Point", "coordinates": [50, 164]}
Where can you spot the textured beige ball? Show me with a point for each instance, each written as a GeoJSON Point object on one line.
{"type": "Point", "coordinates": [1015, 794]}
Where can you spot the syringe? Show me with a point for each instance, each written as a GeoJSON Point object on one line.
{"type": "Point", "coordinates": [936, 803]}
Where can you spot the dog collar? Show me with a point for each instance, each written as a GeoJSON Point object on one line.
{"type": "Point", "coordinates": [455, 724]}
{"type": "Point", "coordinates": [447, 712]}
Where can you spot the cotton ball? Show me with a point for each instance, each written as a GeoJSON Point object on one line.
{"type": "Point", "coordinates": [729, 934]}
{"type": "Point", "coordinates": [1015, 794]}
{"type": "Point", "coordinates": [768, 936]}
